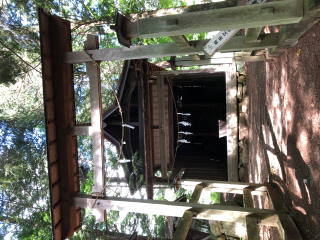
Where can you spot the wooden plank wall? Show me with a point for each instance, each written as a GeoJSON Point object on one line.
{"type": "Point", "coordinates": [59, 106]}
{"type": "Point", "coordinates": [148, 68]}
{"type": "Point", "coordinates": [155, 122]}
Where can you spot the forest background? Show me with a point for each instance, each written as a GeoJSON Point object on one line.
{"type": "Point", "coordinates": [24, 193]}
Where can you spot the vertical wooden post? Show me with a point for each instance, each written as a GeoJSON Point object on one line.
{"type": "Point", "coordinates": [148, 136]}
{"type": "Point", "coordinates": [141, 114]}
{"type": "Point", "coordinates": [162, 134]}
{"type": "Point", "coordinates": [286, 226]}
{"type": "Point", "coordinates": [251, 222]}
{"type": "Point", "coordinates": [247, 198]}
{"type": "Point", "coordinates": [251, 37]}
{"type": "Point", "coordinates": [290, 33]}
{"type": "Point", "coordinates": [185, 222]}
{"type": "Point", "coordinates": [96, 124]}
{"type": "Point", "coordinates": [232, 124]}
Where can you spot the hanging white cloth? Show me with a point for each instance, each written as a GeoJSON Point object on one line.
{"type": "Point", "coordinates": [186, 133]}
{"type": "Point", "coordinates": [128, 126]}
{"type": "Point", "coordinates": [185, 123]}
{"type": "Point", "coordinates": [124, 160]}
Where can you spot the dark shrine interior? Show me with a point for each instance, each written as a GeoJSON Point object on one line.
{"type": "Point", "coordinates": [202, 97]}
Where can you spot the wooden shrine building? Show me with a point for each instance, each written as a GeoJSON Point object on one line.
{"type": "Point", "coordinates": [151, 98]}
{"type": "Point", "coordinates": [200, 98]}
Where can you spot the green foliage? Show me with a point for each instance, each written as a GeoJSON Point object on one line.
{"type": "Point", "coordinates": [10, 68]}
{"type": "Point", "coordinates": [180, 192]}
{"type": "Point", "coordinates": [215, 197]}
{"type": "Point", "coordinates": [136, 180]}
{"type": "Point", "coordinates": [189, 194]}
{"type": "Point", "coordinates": [160, 226]}
{"type": "Point", "coordinates": [86, 187]}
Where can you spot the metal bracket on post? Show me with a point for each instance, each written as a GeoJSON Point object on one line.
{"type": "Point", "coordinates": [120, 19]}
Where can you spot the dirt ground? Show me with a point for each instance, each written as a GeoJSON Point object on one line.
{"type": "Point", "coordinates": [284, 131]}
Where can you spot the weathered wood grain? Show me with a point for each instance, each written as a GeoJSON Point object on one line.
{"type": "Point", "coordinates": [247, 198]}
{"type": "Point", "coordinates": [183, 42]}
{"type": "Point", "coordinates": [80, 130]}
{"type": "Point", "coordinates": [177, 209]}
{"type": "Point", "coordinates": [290, 33]}
{"type": "Point", "coordinates": [185, 222]}
{"type": "Point", "coordinates": [252, 228]}
{"type": "Point", "coordinates": [232, 124]}
{"type": "Point", "coordinates": [168, 49]}
{"type": "Point", "coordinates": [186, 9]}
{"type": "Point", "coordinates": [162, 126]}
{"type": "Point", "coordinates": [183, 226]}
{"type": "Point", "coordinates": [215, 60]}
{"type": "Point", "coordinates": [253, 34]}
{"type": "Point", "coordinates": [285, 12]}
{"type": "Point", "coordinates": [96, 125]}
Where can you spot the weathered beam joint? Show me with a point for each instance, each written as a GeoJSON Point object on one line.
{"type": "Point", "coordinates": [249, 16]}
{"type": "Point", "coordinates": [168, 49]}
{"type": "Point", "coordinates": [290, 33]}
{"type": "Point", "coordinates": [183, 42]}
{"type": "Point", "coordinates": [122, 38]}
{"type": "Point", "coordinates": [80, 130]}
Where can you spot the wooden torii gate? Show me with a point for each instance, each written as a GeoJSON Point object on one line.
{"type": "Point", "coordinates": [61, 129]}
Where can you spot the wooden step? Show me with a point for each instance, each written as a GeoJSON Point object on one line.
{"type": "Point", "coordinates": [247, 198]}
{"type": "Point", "coordinates": [286, 226]}
{"type": "Point", "coordinates": [253, 228]}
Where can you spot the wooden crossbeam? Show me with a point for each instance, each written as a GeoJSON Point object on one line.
{"type": "Point", "coordinates": [232, 123]}
{"type": "Point", "coordinates": [186, 220]}
{"type": "Point", "coordinates": [114, 123]}
{"type": "Point", "coordinates": [162, 125]}
{"type": "Point", "coordinates": [185, 9]}
{"type": "Point", "coordinates": [251, 37]}
{"type": "Point", "coordinates": [250, 59]}
{"type": "Point", "coordinates": [251, 222]}
{"type": "Point", "coordinates": [290, 33]}
{"type": "Point", "coordinates": [252, 228]}
{"type": "Point", "coordinates": [183, 42]}
{"type": "Point", "coordinates": [183, 226]}
{"type": "Point", "coordinates": [214, 60]}
{"type": "Point", "coordinates": [176, 209]}
{"type": "Point", "coordinates": [191, 71]}
{"type": "Point", "coordinates": [247, 198]}
{"type": "Point", "coordinates": [80, 130]}
{"type": "Point", "coordinates": [224, 187]}
{"type": "Point", "coordinates": [239, 17]}
{"type": "Point", "coordinates": [285, 224]}
{"type": "Point", "coordinates": [168, 49]}
{"type": "Point", "coordinates": [96, 125]}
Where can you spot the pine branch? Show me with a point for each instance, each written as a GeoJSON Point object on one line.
{"type": "Point", "coordinates": [19, 56]}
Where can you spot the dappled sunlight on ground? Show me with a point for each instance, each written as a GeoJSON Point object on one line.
{"type": "Point", "coordinates": [284, 130]}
